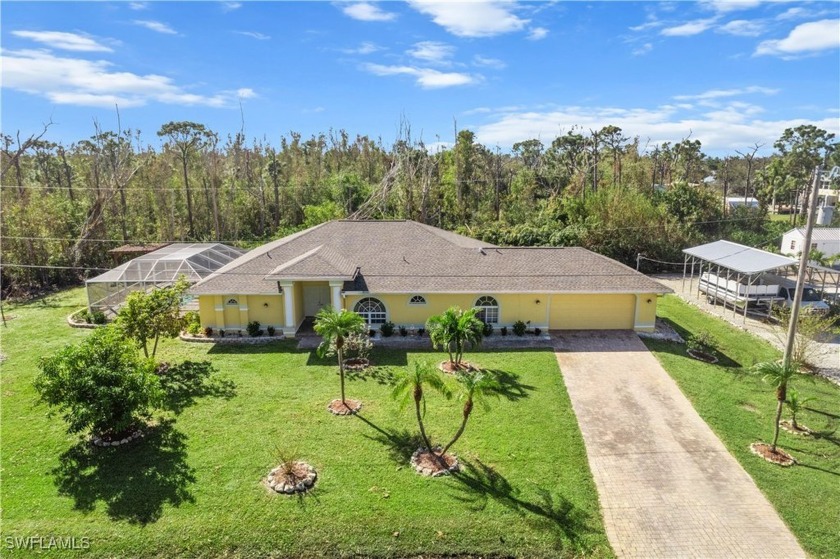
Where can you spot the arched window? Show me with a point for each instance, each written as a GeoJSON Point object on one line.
{"type": "Point", "coordinates": [232, 302]}
{"type": "Point", "coordinates": [372, 310]}
{"type": "Point", "coordinates": [488, 310]}
{"type": "Point", "coordinates": [417, 300]}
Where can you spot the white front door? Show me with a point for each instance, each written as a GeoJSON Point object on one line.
{"type": "Point", "coordinates": [314, 298]}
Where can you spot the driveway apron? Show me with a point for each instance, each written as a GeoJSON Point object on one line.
{"type": "Point", "coordinates": [667, 485]}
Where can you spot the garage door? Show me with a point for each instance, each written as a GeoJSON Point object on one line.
{"type": "Point", "coordinates": [592, 312]}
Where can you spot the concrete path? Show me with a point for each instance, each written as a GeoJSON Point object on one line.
{"type": "Point", "coordinates": [667, 485]}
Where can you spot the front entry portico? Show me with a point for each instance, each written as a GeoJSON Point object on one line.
{"type": "Point", "coordinates": [304, 298]}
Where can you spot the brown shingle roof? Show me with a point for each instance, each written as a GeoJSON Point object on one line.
{"type": "Point", "coordinates": [409, 257]}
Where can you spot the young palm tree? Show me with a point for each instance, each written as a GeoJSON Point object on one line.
{"type": "Point", "coordinates": [411, 385]}
{"type": "Point", "coordinates": [795, 404]}
{"type": "Point", "coordinates": [778, 375]}
{"type": "Point", "coordinates": [474, 388]}
{"type": "Point", "coordinates": [453, 329]}
{"type": "Point", "coordinates": [336, 326]}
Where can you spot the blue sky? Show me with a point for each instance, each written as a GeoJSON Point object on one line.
{"type": "Point", "coordinates": [730, 73]}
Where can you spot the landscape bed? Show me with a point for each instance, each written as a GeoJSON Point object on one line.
{"type": "Point", "coordinates": [194, 486]}
{"type": "Point", "coordinates": [740, 408]}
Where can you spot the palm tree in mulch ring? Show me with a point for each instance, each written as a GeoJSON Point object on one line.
{"type": "Point", "coordinates": [475, 388]}
{"type": "Point", "coordinates": [411, 387]}
{"type": "Point", "coordinates": [334, 327]}
{"type": "Point", "coordinates": [452, 330]}
{"type": "Point", "coordinates": [778, 375]}
{"type": "Point", "coordinates": [795, 404]}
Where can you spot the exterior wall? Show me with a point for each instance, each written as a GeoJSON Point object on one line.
{"type": "Point", "coordinates": [299, 311]}
{"type": "Point", "coordinates": [645, 312]}
{"type": "Point", "coordinates": [578, 311]}
{"type": "Point", "coordinates": [827, 247]}
{"type": "Point", "coordinates": [216, 313]}
{"type": "Point", "coordinates": [512, 307]}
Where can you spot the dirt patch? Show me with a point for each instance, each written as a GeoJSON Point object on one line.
{"type": "Point", "coordinates": [434, 465]}
{"type": "Point", "coordinates": [451, 368]}
{"type": "Point", "coordinates": [800, 429]}
{"type": "Point", "coordinates": [297, 477]}
{"type": "Point", "coordinates": [348, 407]}
{"type": "Point", "coordinates": [779, 457]}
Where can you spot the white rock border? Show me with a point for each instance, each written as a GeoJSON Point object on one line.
{"type": "Point", "coordinates": [97, 441]}
{"type": "Point", "coordinates": [789, 461]}
{"type": "Point", "coordinates": [802, 431]}
{"type": "Point", "coordinates": [424, 471]}
{"type": "Point", "coordinates": [286, 488]}
{"type": "Point", "coordinates": [348, 410]}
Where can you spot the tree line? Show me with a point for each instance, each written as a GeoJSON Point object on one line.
{"type": "Point", "coordinates": [64, 206]}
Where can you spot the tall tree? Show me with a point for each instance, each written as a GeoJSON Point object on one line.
{"type": "Point", "coordinates": [186, 138]}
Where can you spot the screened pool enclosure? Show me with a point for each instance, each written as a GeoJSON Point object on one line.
{"type": "Point", "coordinates": [160, 268]}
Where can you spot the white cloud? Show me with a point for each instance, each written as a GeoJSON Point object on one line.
{"type": "Point", "coordinates": [730, 128]}
{"type": "Point", "coordinates": [63, 40]}
{"type": "Point", "coordinates": [432, 51]}
{"type": "Point", "coordinates": [806, 38]}
{"type": "Point", "coordinates": [724, 6]}
{"type": "Point", "coordinates": [254, 35]}
{"type": "Point", "coordinates": [689, 28]}
{"type": "Point", "coordinates": [742, 28]}
{"type": "Point", "coordinates": [472, 19]}
{"type": "Point", "coordinates": [94, 83]}
{"type": "Point", "coordinates": [367, 11]}
{"type": "Point", "coordinates": [722, 93]}
{"type": "Point", "coordinates": [642, 50]}
{"type": "Point", "coordinates": [246, 93]}
{"type": "Point", "coordinates": [365, 48]}
{"type": "Point", "coordinates": [537, 33]}
{"type": "Point", "coordinates": [426, 78]}
{"type": "Point", "coordinates": [488, 62]}
{"type": "Point", "coordinates": [230, 6]}
{"type": "Point", "coordinates": [138, 5]}
{"type": "Point", "coordinates": [652, 24]}
{"type": "Point", "coordinates": [155, 26]}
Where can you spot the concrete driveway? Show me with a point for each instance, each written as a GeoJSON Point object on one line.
{"type": "Point", "coordinates": [667, 485]}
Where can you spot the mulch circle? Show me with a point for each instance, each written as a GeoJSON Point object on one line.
{"type": "Point", "coordinates": [780, 457]}
{"type": "Point", "coordinates": [356, 364]}
{"type": "Point", "coordinates": [298, 478]}
{"type": "Point", "coordinates": [337, 407]}
{"type": "Point", "coordinates": [449, 367]}
{"type": "Point", "coordinates": [702, 356]}
{"type": "Point", "coordinates": [427, 464]}
{"type": "Point", "coordinates": [800, 429]}
{"type": "Point", "coordinates": [116, 439]}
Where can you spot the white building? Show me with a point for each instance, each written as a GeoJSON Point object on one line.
{"type": "Point", "coordinates": [733, 202]}
{"type": "Point", "coordinates": [823, 239]}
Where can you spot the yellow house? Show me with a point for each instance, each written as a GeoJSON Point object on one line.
{"type": "Point", "coordinates": [404, 272]}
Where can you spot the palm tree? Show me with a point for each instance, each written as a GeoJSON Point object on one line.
{"type": "Point", "coordinates": [475, 388]}
{"type": "Point", "coordinates": [795, 404]}
{"type": "Point", "coordinates": [410, 386]}
{"type": "Point", "coordinates": [778, 375]}
{"type": "Point", "coordinates": [334, 327]}
{"type": "Point", "coordinates": [452, 329]}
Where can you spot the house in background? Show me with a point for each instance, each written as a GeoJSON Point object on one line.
{"type": "Point", "coordinates": [405, 272]}
{"type": "Point", "coordinates": [158, 268]}
{"type": "Point", "coordinates": [824, 239]}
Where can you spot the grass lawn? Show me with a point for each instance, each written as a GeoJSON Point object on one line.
{"type": "Point", "coordinates": [193, 486]}
{"type": "Point", "coordinates": [740, 409]}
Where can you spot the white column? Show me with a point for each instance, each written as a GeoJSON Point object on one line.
{"type": "Point", "coordinates": [289, 307]}
{"type": "Point", "coordinates": [335, 289]}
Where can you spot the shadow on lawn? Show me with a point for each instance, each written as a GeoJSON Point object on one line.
{"type": "Point", "coordinates": [479, 483]}
{"type": "Point", "coordinates": [509, 385]}
{"type": "Point", "coordinates": [275, 346]}
{"type": "Point", "coordinates": [184, 382]}
{"type": "Point", "coordinates": [401, 444]}
{"type": "Point", "coordinates": [134, 481]}
{"type": "Point", "coordinates": [680, 349]}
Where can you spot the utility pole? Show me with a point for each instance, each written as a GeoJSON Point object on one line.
{"type": "Point", "coordinates": [803, 265]}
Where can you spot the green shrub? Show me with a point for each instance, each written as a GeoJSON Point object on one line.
{"type": "Point", "coordinates": [702, 342]}
{"type": "Point", "coordinates": [271, 330]}
{"type": "Point", "coordinates": [100, 384]}
{"type": "Point", "coordinates": [253, 329]}
{"type": "Point", "coordinates": [537, 331]}
{"type": "Point", "coordinates": [504, 330]}
{"type": "Point", "coordinates": [387, 329]}
{"type": "Point", "coordinates": [486, 329]}
{"type": "Point", "coordinates": [519, 328]}
{"type": "Point", "coordinates": [192, 323]}
{"type": "Point", "coordinates": [96, 317]}
{"type": "Point", "coordinates": [208, 331]}
{"type": "Point", "coordinates": [403, 331]}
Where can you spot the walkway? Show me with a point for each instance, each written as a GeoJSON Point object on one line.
{"type": "Point", "coordinates": [667, 485]}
